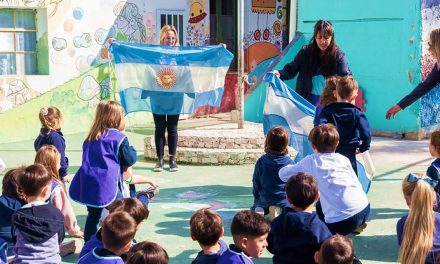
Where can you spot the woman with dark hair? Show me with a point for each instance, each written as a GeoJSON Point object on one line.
{"type": "Point", "coordinates": [315, 62]}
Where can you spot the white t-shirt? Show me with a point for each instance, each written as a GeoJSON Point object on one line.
{"type": "Point", "coordinates": [341, 192]}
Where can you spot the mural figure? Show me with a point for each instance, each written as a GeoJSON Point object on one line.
{"type": "Point", "coordinates": [129, 24]}
{"type": "Point", "coordinates": [92, 92]}
{"type": "Point", "coordinates": [263, 7]}
{"type": "Point", "coordinates": [83, 41]}
{"type": "Point", "coordinates": [198, 27]}
{"type": "Point", "coordinates": [18, 92]}
{"type": "Point", "coordinates": [59, 44]}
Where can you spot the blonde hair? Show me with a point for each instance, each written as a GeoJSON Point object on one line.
{"type": "Point", "coordinates": [434, 43]}
{"type": "Point", "coordinates": [49, 157]}
{"type": "Point", "coordinates": [328, 96]}
{"type": "Point", "coordinates": [50, 118]}
{"type": "Point", "coordinates": [419, 226]}
{"type": "Point", "coordinates": [163, 32]}
{"type": "Point", "coordinates": [109, 114]}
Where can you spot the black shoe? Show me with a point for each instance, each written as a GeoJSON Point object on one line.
{"type": "Point", "coordinates": [149, 193]}
{"type": "Point", "coordinates": [159, 165]}
{"type": "Point", "coordinates": [173, 165]}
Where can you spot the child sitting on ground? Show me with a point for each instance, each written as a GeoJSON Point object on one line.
{"type": "Point", "coordinates": [249, 232]}
{"type": "Point", "coordinates": [418, 233]}
{"type": "Point", "coordinates": [51, 120]}
{"type": "Point", "coordinates": [37, 227]}
{"type": "Point", "coordinates": [147, 253]}
{"type": "Point", "coordinates": [350, 209]}
{"type": "Point", "coordinates": [328, 96]}
{"type": "Point", "coordinates": [11, 200]}
{"type": "Point", "coordinates": [433, 171]}
{"type": "Point", "coordinates": [297, 233]}
{"type": "Point", "coordinates": [206, 227]}
{"type": "Point", "coordinates": [268, 189]}
{"type": "Point", "coordinates": [336, 250]}
{"type": "Point", "coordinates": [132, 206]}
{"type": "Point", "coordinates": [354, 130]}
{"type": "Point", "coordinates": [49, 157]}
{"type": "Point", "coordinates": [118, 231]}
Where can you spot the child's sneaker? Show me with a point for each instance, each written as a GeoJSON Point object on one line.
{"type": "Point", "coordinates": [70, 247]}
{"type": "Point", "coordinates": [149, 193]}
{"type": "Point", "coordinates": [359, 230]}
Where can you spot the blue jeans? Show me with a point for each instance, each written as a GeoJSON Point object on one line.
{"type": "Point", "coordinates": [92, 221]}
{"type": "Point", "coordinates": [144, 199]}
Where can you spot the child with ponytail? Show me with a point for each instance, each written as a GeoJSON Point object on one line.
{"type": "Point", "coordinates": [418, 233]}
{"type": "Point", "coordinates": [51, 120]}
{"type": "Point", "coordinates": [49, 157]}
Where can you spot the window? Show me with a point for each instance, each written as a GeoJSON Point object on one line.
{"type": "Point", "coordinates": [18, 42]}
{"type": "Point", "coordinates": [171, 17]}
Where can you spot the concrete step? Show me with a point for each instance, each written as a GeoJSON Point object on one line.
{"type": "Point", "coordinates": [222, 144]}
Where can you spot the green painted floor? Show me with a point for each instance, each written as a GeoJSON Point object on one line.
{"type": "Point", "coordinates": [229, 189]}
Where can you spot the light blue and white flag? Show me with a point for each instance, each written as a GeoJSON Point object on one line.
{"type": "Point", "coordinates": [284, 107]}
{"type": "Point", "coordinates": [169, 79]}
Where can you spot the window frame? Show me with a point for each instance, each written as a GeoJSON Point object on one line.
{"type": "Point", "coordinates": [181, 23]}
{"type": "Point", "coordinates": [19, 67]}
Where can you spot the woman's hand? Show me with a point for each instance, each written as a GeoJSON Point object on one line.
{"type": "Point", "coordinates": [277, 73]}
{"type": "Point", "coordinates": [392, 111]}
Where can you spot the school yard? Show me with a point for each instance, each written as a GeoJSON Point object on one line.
{"type": "Point", "coordinates": [228, 189]}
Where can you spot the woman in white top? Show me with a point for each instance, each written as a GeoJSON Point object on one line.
{"type": "Point", "coordinates": [345, 207]}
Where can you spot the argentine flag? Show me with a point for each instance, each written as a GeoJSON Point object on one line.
{"type": "Point", "coordinates": [284, 107]}
{"type": "Point", "coordinates": [169, 79]}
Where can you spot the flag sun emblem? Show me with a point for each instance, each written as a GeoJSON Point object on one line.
{"type": "Point", "coordinates": [166, 77]}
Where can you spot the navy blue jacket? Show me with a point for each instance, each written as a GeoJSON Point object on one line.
{"type": "Point", "coordinates": [353, 127]}
{"type": "Point", "coordinates": [268, 188]}
{"type": "Point", "coordinates": [423, 88]}
{"type": "Point", "coordinates": [55, 138]}
{"type": "Point", "coordinates": [300, 65]}
{"type": "Point", "coordinates": [295, 237]}
{"type": "Point", "coordinates": [8, 206]}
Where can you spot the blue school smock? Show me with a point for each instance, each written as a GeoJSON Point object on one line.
{"type": "Point", "coordinates": [99, 179]}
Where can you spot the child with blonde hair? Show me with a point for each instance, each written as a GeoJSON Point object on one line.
{"type": "Point", "coordinates": [418, 232]}
{"type": "Point", "coordinates": [106, 165]}
{"type": "Point", "coordinates": [51, 120]}
{"type": "Point", "coordinates": [328, 96]}
{"type": "Point", "coordinates": [49, 157]}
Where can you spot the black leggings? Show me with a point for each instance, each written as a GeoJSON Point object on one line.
{"type": "Point", "coordinates": [162, 123]}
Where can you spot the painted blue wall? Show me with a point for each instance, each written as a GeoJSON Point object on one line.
{"type": "Point", "coordinates": [381, 40]}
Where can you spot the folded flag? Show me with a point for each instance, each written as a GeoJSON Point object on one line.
{"type": "Point", "coordinates": [284, 107]}
{"type": "Point", "coordinates": [169, 79]}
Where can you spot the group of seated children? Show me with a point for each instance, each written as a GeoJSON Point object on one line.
{"type": "Point", "coordinates": [35, 228]}
{"type": "Point", "coordinates": [295, 236]}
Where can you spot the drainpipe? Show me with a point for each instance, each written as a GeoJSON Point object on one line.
{"type": "Point", "coordinates": [240, 62]}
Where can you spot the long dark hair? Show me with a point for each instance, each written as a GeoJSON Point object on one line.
{"type": "Point", "coordinates": [326, 29]}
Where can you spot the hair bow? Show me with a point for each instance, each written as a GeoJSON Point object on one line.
{"type": "Point", "coordinates": [413, 178]}
{"type": "Point", "coordinates": [44, 110]}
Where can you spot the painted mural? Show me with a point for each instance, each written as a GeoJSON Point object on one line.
{"type": "Point", "coordinates": [72, 37]}
{"type": "Point", "coordinates": [430, 103]}
{"type": "Point", "coordinates": [263, 31]}
{"type": "Point", "coordinates": [197, 33]}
